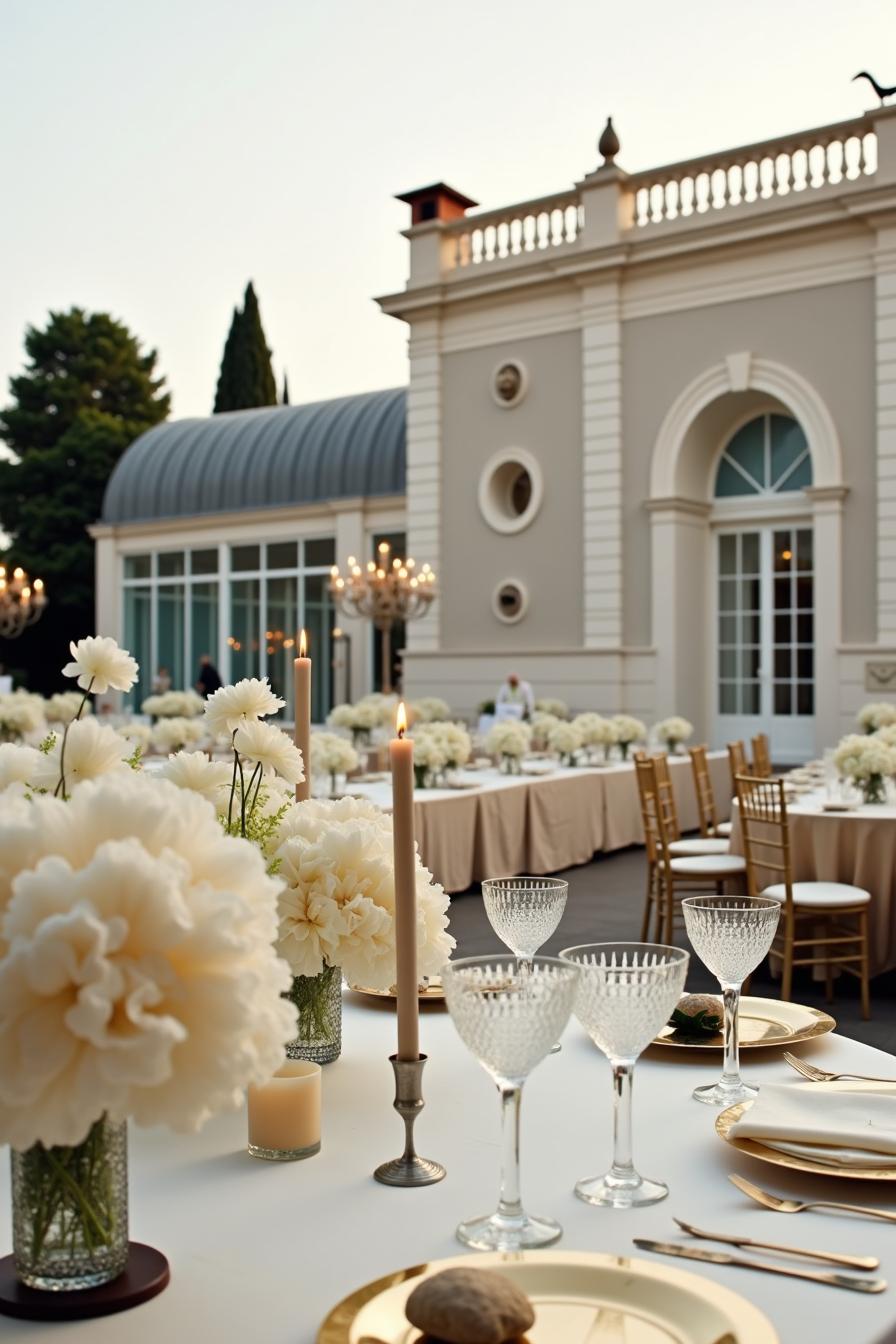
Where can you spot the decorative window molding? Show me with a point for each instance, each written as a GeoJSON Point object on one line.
{"type": "Point", "coordinates": [509, 383]}
{"type": "Point", "coordinates": [510, 601]}
{"type": "Point", "coordinates": [511, 490]}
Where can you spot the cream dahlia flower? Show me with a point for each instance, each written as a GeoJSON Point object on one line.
{"type": "Point", "coordinates": [271, 748]}
{"type": "Point", "coordinates": [140, 977]}
{"type": "Point", "coordinates": [91, 750]}
{"type": "Point", "coordinates": [192, 770]}
{"type": "Point", "coordinates": [18, 764]}
{"type": "Point", "coordinates": [100, 665]}
{"type": "Point", "coordinates": [230, 706]}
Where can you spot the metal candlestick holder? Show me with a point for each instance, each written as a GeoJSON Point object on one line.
{"type": "Point", "coordinates": [409, 1169]}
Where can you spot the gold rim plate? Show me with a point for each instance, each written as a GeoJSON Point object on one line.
{"type": "Point", "coordinates": [572, 1292]}
{"type": "Point", "coordinates": [430, 993]}
{"type": "Point", "coordinates": [755, 1148]}
{"type": "Point", "coordinates": [763, 1025]}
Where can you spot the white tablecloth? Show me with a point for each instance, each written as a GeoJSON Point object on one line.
{"type": "Point", "coordinates": [260, 1251]}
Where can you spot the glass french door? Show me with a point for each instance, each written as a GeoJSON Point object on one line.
{"type": "Point", "coordinates": [765, 638]}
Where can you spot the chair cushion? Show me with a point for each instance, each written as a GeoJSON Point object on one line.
{"type": "Point", "coordinates": [709, 865]}
{"type": "Point", "coordinates": [819, 895]}
{"type": "Point", "coordinates": [699, 845]}
{"type": "Point", "coordinates": [724, 828]}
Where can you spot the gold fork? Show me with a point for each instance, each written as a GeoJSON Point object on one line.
{"type": "Point", "coordinates": [816, 1075]}
{"type": "Point", "coordinates": [798, 1206]}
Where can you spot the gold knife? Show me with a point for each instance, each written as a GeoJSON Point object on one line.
{"type": "Point", "coordinates": [831, 1257]}
{"type": "Point", "coordinates": [741, 1262]}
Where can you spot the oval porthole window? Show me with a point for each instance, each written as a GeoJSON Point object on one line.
{"type": "Point", "coordinates": [510, 490]}
{"type": "Point", "coordinates": [510, 600]}
{"type": "Point", "coordinates": [510, 381]}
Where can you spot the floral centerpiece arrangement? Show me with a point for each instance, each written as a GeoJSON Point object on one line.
{"type": "Point", "coordinates": [439, 747]}
{"type": "Point", "coordinates": [64, 706]}
{"type": "Point", "coordinates": [509, 739]}
{"type": "Point", "coordinates": [359, 719]}
{"type": "Point", "coordinates": [565, 739]}
{"type": "Point", "coordinates": [173, 705]}
{"type": "Point", "coordinates": [332, 755]}
{"type": "Point", "coordinates": [137, 733]}
{"type": "Point", "coordinates": [138, 978]}
{"type": "Point", "coordinates": [877, 714]}
{"type": "Point", "coordinates": [595, 731]}
{"type": "Point", "coordinates": [628, 731]}
{"type": "Point", "coordinates": [173, 734]}
{"type": "Point", "coordinates": [558, 709]}
{"type": "Point", "coordinates": [22, 716]}
{"type": "Point", "coordinates": [868, 762]}
{"type": "Point", "coordinates": [673, 731]}
{"type": "Point", "coordinates": [541, 724]}
{"type": "Point", "coordinates": [428, 709]}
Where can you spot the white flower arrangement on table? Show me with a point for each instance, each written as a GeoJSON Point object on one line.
{"type": "Point", "coordinates": [887, 734]}
{"type": "Point", "coordinates": [21, 716]}
{"type": "Point", "coordinates": [381, 707]}
{"type": "Point", "coordinates": [877, 714]}
{"type": "Point", "coordinates": [63, 707]}
{"type": "Point", "coordinates": [868, 762]}
{"type": "Point", "coordinates": [359, 719]}
{"type": "Point", "coordinates": [596, 731]}
{"type": "Point", "coordinates": [137, 733]}
{"type": "Point", "coordinates": [565, 739]}
{"type": "Point", "coordinates": [332, 755]}
{"type": "Point", "coordinates": [428, 709]}
{"type": "Point", "coordinates": [174, 705]}
{"type": "Point", "coordinates": [338, 905]}
{"type": "Point", "coordinates": [673, 731]}
{"type": "Point", "coordinates": [628, 730]}
{"type": "Point", "coordinates": [541, 724]}
{"type": "Point", "coordinates": [439, 747]}
{"type": "Point", "coordinates": [510, 739]}
{"type": "Point", "coordinates": [558, 709]}
{"type": "Point", "coordinates": [175, 734]}
{"type": "Point", "coordinates": [85, 751]}
{"type": "Point", "coordinates": [18, 766]}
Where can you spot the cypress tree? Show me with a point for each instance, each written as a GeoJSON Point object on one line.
{"type": "Point", "coordinates": [246, 378]}
{"type": "Point", "coordinates": [285, 398]}
{"type": "Point", "coordinates": [227, 388]}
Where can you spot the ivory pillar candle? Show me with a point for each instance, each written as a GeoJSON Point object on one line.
{"type": "Point", "coordinates": [302, 672]}
{"type": "Point", "coordinates": [401, 759]}
{"type": "Point", "coordinates": [284, 1113]}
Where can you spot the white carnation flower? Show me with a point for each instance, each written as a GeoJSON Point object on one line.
{"type": "Point", "coordinates": [271, 748]}
{"type": "Point", "coordinates": [91, 750]}
{"type": "Point", "coordinates": [100, 665]}
{"type": "Point", "coordinates": [193, 770]}
{"type": "Point", "coordinates": [230, 706]}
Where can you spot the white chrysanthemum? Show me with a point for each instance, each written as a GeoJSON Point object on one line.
{"type": "Point", "coordinates": [332, 754]}
{"type": "Point", "coordinates": [595, 729]}
{"type": "Point", "coordinates": [138, 734]}
{"type": "Point", "coordinates": [175, 734]}
{"type": "Point", "coordinates": [271, 748]}
{"type": "Point", "coordinates": [628, 729]}
{"type": "Point", "coordinates": [62, 707]}
{"type": "Point", "coordinates": [193, 770]}
{"type": "Point", "coordinates": [564, 738]}
{"type": "Point", "coordinates": [509, 737]}
{"type": "Point", "coordinates": [674, 729]}
{"type": "Point", "coordinates": [308, 819]}
{"type": "Point", "coordinates": [174, 705]}
{"type": "Point", "coordinates": [251, 698]}
{"type": "Point", "coordinates": [91, 749]}
{"type": "Point", "coordinates": [558, 709]}
{"type": "Point", "coordinates": [878, 714]}
{"type": "Point", "coordinates": [100, 665]}
{"type": "Point", "coordinates": [429, 709]}
{"type": "Point", "coordinates": [140, 978]}
{"type": "Point", "coordinates": [18, 764]}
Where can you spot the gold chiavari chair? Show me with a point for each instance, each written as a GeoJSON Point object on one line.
{"type": "Point", "coordinates": [822, 923]}
{"type": "Point", "coordinates": [710, 826]}
{"type": "Point", "coordinates": [670, 875]}
{"type": "Point", "coordinates": [737, 764]}
{"type": "Point", "coordinates": [762, 757]}
{"type": "Point", "coordinates": [679, 846]}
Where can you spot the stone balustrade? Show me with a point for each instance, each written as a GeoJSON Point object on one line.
{"type": "Point", "coordinates": [533, 226]}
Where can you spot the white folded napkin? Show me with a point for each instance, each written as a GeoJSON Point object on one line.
{"type": "Point", "coordinates": [849, 1124]}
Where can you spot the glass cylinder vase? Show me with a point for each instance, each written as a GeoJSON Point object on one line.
{"type": "Point", "coordinates": [874, 789]}
{"type": "Point", "coordinates": [70, 1210]}
{"type": "Point", "coordinates": [318, 999]}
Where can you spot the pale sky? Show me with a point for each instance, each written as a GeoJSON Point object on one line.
{"type": "Point", "coordinates": [156, 156]}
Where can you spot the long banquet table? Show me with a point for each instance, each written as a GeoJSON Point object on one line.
{"type": "Point", "coordinates": [261, 1251]}
{"type": "Point", "coordinates": [507, 824]}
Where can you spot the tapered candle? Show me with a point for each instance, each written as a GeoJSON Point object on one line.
{"type": "Point", "coordinates": [302, 668]}
{"type": "Point", "coordinates": [401, 759]}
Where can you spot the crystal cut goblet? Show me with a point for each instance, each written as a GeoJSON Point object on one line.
{"type": "Point", "coordinates": [524, 912]}
{"type": "Point", "coordinates": [508, 1012]}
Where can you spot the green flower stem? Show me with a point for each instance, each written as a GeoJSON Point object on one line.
{"type": "Point", "coordinates": [71, 1187]}
{"type": "Point", "coordinates": [309, 994]}
{"type": "Point", "coordinates": [236, 761]}
{"type": "Point", "coordinates": [60, 787]}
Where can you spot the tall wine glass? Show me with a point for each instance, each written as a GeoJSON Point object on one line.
{"type": "Point", "coordinates": [731, 935]}
{"type": "Point", "coordinates": [507, 1014]}
{"type": "Point", "coordinates": [624, 996]}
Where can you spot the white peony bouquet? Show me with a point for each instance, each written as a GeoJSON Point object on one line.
{"type": "Point", "coordinates": [565, 739]}
{"type": "Point", "coordinates": [877, 714]}
{"type": "Point", "coordinates": [137, 733]}
{"type": "Point", "coordinates": [332, 755]}
{"type": "Point", "coordinates": [439, 747]}
{"type": "Point", "coordinates": [510, 739]}
{"type": "Point", "coordinates": [673, 731]}
{"type": "Point", "coordinates": [596, 731]}
{"type": "Point", "coordinates": [359, 719]}
{"type": "Point", "coordinates": [868, 762]}
{"type": "Point", "coordinates": [558, 709]}
{"type": "Point", "coordinates": [380, 707]}
{"type": "Point", "coordinates": [627, 730]}
{"type": "Point", "coordinates": [541, 724]}
{"type": "Point", "coordinates": [63, 707]}
{"type": "Point", "coordinates": [429, 709]}
{"type": "Point", "coordinates": [174, 705]}
{"type": "Point", "coordinates": [174, 734]}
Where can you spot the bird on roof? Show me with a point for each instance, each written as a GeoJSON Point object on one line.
{"type": "Point", "coordinates": [882, 93]}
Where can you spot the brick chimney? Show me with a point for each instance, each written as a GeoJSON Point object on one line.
{"type": "Point", "coordinates": [436, 202]}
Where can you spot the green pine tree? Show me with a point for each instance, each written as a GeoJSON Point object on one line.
{"type": "Point", "coordinates": [87, 392]}
{"type": "Point", "coordinates": [246, 378]}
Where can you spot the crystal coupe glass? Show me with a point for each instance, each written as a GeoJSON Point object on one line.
{"type": "Point", "coordinates": [624, 996]}
{"type": "Point", "coordinates": [524, 912]}
{"type": "Point", "coordinates": [508, 1013]}
{"type": "Point", "coordinates": [731, 935]}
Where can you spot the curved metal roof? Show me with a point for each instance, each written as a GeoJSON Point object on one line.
{"type": "Point", "coordinates": [263, 458]}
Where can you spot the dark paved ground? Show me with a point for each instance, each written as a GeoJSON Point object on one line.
{"type": "Point", "coordinates": [606, 901]}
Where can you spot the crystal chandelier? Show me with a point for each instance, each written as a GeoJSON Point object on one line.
{"type": "Point", "coordinates": [21, 601]}
{"type": "Point", "coordinates": [387, 591]}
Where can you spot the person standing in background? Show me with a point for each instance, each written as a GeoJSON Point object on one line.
{"type": "Point", "coordinates": [209, 679]}
{"type": "Point", "coordinates": [517, 692]}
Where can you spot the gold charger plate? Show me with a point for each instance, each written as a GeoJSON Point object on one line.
{"type": "Point", "coordinates": [430, 993]}
{"type": "Point", "coordinates": [575, 1294]}
{"type": "Point", "coordinates": [756, 1148]}
{"type": "Point", "coordinates": [763, 1024]}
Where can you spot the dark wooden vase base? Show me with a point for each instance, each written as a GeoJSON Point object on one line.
{"type": "Point", "coordinates": [145, 1275]}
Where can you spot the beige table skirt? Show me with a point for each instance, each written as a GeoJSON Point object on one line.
{"type": "Point", "coordinates": [854, 847]}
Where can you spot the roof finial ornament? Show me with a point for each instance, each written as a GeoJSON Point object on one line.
{"type": "Point", "coordinates": [881, 92]}
{"type": "Point", "coordinates": [608, 144]}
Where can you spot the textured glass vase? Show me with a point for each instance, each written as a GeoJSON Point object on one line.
{"type": "Point", "coordinates": [70, 1210]}
{"type": "Point", "coordinates": [874, 789]}
{"type": "Point", "coordinates": [318, 999]}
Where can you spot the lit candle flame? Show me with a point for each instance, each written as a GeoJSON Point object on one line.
{"type": "Point", "coordinates": [303, 645]}
{"type": "Point", "coordinates": [401, 720]}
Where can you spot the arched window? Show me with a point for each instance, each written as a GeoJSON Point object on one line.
{"type": "Point", "coordinates": [767, 456]}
